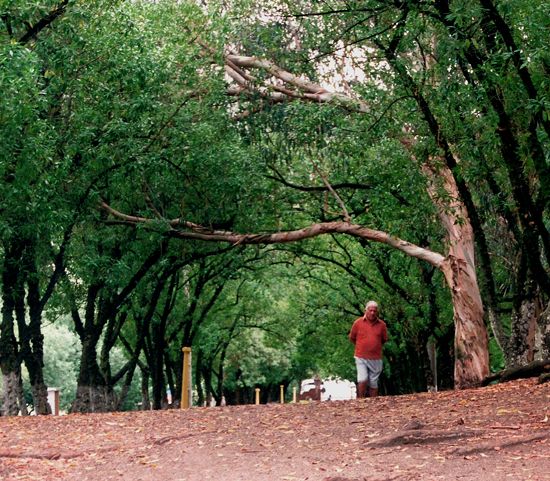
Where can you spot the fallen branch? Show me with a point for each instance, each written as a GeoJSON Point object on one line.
{"type": "Point", "coordinates": [533, 369]}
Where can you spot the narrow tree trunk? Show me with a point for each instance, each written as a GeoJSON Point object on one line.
{"type": "Point", "coordinates": [121, 398]}
{"type": "Point", "coordinates": [40, 398]}
{"type": "Point", "coordinates": [145, 400]}
{"type": "Point", "coordinates": [542, 335]}
{"type": "Point", "coordinates": [34, 341]}
{"type": "Point", "coordinates": [32, 350]}
{"type": "Point", "coordinates": [198, 378]}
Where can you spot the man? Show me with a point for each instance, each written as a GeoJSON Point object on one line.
{"type": "Point", "coordinates": [369, 334]}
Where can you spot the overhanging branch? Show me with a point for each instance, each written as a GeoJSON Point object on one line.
{"type": "Point", "coordinates": [183, 229]}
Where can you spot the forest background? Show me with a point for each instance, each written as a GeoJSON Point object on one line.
{"type": "Point", "coordinates": [241, 177]}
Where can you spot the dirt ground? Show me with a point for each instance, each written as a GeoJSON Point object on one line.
{"type": "Point", "coordinates": [500, 432]}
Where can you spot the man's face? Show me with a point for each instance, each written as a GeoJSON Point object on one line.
{"type": "Point", "coordinates": [371, 313]}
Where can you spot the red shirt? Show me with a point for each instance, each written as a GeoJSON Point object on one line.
{"type": "Point", "coordinates": [368, 337]}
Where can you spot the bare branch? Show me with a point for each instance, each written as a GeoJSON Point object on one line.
{"type": "Point", "coordinates": [183, 229]}
{"type": "Point", "coordinates": [306, 89]}
{"type": "Point", "coordinates": [347, 218]}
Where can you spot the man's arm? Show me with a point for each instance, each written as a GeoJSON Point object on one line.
{"type": "Point", "coordinates": [353, 333]}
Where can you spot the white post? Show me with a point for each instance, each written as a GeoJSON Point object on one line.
{"type": "Point", "coordinates": [53, 400]}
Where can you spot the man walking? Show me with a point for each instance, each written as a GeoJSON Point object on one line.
{"type": "Point", "coordinates": [369, 334]}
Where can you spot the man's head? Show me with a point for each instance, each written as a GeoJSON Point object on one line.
{"type": "Point", "coordinates": [371, 310]}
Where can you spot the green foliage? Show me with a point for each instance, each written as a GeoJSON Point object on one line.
{"type": "Point", "coordinates": [61, 357]}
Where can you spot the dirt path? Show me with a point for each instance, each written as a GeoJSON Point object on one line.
{"type": "Point", "coordinates": [495, 433]}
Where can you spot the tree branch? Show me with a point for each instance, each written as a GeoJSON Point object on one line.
{"type": "Point", "coordinates": [182, 229]}
{"type": "Point", "coordinates": [43, 23]}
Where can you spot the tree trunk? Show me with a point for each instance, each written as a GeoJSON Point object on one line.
{"type": "Point", "coordinates": [34, 342]}
{"type": "Point", "coordinates": [521, 346]}
{"type": "Point", "coordinates": [145, 400]}
{"type": "Point", "coordinates": [92, 393]}
{"type": "Point", "coordinates": [40, 398]}
{"type": "Point", "coordinates": [471, 342]}
{"type": "Point", "coordinates": [542, 335]}
{"type": "Point", "coordinates": [121, 398]}
{"type": "Point", "coordinates": [198, 378]}
{"type": "Point", "coordinates": [12, 393]}
{"type": "Point", "coordinates": [10, 363]}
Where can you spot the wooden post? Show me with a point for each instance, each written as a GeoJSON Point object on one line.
{"type": "Point", "coordinates": [53, 400]}
{"type": "Point", "coordinates": [294, 394]}
{"type": "Point", "coordinates": [257, 395]}
{"type": "Point", "coordinates": [282, 394]}
{"type": "Point", "coordinates": [186, 394]}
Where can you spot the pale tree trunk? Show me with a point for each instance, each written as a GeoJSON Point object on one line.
{"type": "Point", "coordinates": [471, 340]}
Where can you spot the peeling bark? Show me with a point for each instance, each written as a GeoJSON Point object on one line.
{"type": "Point", "coordinates": [471, 340]}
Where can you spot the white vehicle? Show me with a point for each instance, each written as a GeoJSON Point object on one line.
{"type": "Point", "coordinates": [331, 389]}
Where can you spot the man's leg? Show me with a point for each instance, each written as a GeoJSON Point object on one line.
{"type": "Point", "coordinates": [374, 370]}
{"type": "Point", "coordinates": [362, 377]}
{"type": "Point", "coordinates": [362, 389]}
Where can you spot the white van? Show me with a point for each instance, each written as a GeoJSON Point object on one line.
{"type": "Point", "coordinates": [331, 389]}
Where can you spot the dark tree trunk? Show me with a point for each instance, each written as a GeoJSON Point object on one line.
{"type": "Point", "coordinates": [145, 400]}
{"type": "Point", "coordinates": [10, 362]}
{"type": "Point", "coordinates": [34, 353]}
{"type": "Point", "coordinates": [542, 337]}
{"type": "Point", "coordinates": [92, 393]}
{"type": "Point", "coordinates": [198, 378]}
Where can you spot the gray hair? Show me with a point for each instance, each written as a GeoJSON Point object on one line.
{"type": "Point", "coordinates": [371, 303]}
